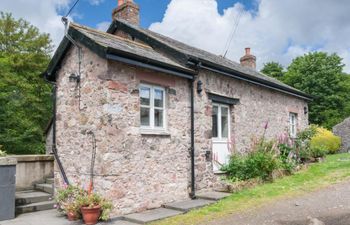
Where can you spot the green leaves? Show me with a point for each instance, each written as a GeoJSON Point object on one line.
{"type": "Point", "coordinates": [321, 75]}
{"type": "Point", "coordinates": [25, 102]}
{"type": "Point", "coordinates": [273, 69]}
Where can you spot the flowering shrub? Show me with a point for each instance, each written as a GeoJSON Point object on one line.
{"type": "Point", "coordinates": [325, 139]}
{"type": "Point", "coordinates": [71, 198]}
{"type": "Point", "coordinates": [66, 199]}
{"type": "Point", "coordinates": [259, 163]}
{"type": "Point", "coordinates": [92, 200]}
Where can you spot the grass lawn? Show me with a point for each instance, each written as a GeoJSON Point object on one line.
{"type": "Point", "coordinates": [336, 168]}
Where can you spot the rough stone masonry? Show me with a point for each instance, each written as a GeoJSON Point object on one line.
{"type": "Point", "coordinates": [139, 171]}
{"type": "Point", "coordinates": [343, 130]}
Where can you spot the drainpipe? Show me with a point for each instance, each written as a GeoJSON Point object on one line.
{"type": "Point", "coordinates": [54, 149]}
{"type": "Point", "coordinates": [193, 178]}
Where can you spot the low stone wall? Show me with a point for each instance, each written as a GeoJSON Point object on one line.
{"type": "Point", "coordinates": [343, 130]}
{"type": "Point", "coordinates": [32, 169]}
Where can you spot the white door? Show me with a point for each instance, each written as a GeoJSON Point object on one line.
{"type": "Point", "coordinates": [221, 134]}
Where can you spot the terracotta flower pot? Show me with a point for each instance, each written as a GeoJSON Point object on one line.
{"type": "Point", "coordinates": [72, 216]}
{"type": "Point", "coordinates": [91, 215]}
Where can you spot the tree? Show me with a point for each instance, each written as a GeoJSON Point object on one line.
{"type": "Point", "coordinates": [25, 98]}
{"type": "Point", "coordinates": [321, 75]}
{"type": "Point", "coordinates": [273, 69]}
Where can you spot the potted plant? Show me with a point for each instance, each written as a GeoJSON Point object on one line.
{"type": "Point", "coordinates": [93, 207]}
{"type": "Point", "coordinates": [66, 199]}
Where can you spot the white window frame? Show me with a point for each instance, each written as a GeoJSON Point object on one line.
{"type": "Point", "coordinates": [219, 137]}
{"type": "Point", "coordinates": [152, 108]}
{"type": "Point", "coordinates": [293, 124]}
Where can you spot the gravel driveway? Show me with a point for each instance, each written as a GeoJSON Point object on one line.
{"type": "Point", "coordinates": [329, 206]}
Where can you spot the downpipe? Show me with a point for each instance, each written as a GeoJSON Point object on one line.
{"type": "Point", "coordinates": [193, 178]}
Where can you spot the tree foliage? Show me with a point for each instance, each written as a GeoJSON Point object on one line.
{"type": "Point", "coordinates": [273, 69]}
{"type": "Point", "coordinates": [25, 98]}
{"type": "Point", "coordinates": [321, 75]}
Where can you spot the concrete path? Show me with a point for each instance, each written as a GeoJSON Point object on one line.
{"type": "Point", "coordinates": [52, 217]}
{"type": "Point", "coordinates": [329, 206]}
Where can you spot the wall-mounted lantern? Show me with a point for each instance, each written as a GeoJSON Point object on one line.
{"type": "Point", "coordinates": [74, 78]}
{"type": "Point", "coordinates": [199, 87]}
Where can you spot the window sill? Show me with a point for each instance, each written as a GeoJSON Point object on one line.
{"type": "Point", "coordinates": [154, 132]}
{"type": "Point", "coordinates": [219, 172]}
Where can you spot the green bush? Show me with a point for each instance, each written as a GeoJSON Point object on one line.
{"type": "Point", "coordinates": [260, 163]}
{"type": "Point", "coordinates": [318, 151]}
{"type": "Point", "coordinates": [325, 139]}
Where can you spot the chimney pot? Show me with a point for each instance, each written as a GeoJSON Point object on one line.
{"type": "Point", "coordinates": [248, 60]}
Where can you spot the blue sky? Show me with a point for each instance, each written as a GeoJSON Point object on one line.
{"type": "Point", "coordinates": [151, 10]}
{"type": "Point", "coordinates": [276, 30]}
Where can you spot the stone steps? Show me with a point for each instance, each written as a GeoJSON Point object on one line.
{"type": "Point", "coordinates": [188, 205]}
{"type": "Point", "coordinates": [36, 200]}
{"type": "Point", "coordinates": [49, 180]}
{"type": "Point", "coordinates": [212, 195]}
{"type": "Point", "coordinates": [34, 207]}
{"type": "Point", "coordinates": [29, 197]}
{"type": "Point", "coordinates": [48, 188]}
{"type": "Point", "coordinates": [151, 215]}
{"type": "Point", "coordinates": [175, 208]}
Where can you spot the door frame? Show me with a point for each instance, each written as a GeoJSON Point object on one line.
{"type": "Point", "coordinates": [219, 139]}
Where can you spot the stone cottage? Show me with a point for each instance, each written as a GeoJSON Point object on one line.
{"type": "Point", "coordinates": [343, 130]}
{"type": "Point", "coordinates": [162, 116]}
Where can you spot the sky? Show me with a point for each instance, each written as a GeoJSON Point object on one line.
{"type": "Point", "coordinates": [276, 30]}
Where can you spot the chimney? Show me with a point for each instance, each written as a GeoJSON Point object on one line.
{"type": "Point", "coordinates": [248, 60]}
{"type": "Point", "coordinates": [127, 10]}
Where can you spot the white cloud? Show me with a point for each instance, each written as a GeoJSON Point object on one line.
{"type": "Point", "coordinates": [41, 13]}
{"type": "Point", "coordinates": [279, 30]}
{"type": "Point", "coordinates": [103, 26]}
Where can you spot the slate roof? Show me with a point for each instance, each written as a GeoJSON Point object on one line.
{"type": "Point", "coordinates": [121, 44]}
{"type": "Point", "coordinates": [160, 53]}
{"type": "Point", "coordinates": [203, 56]}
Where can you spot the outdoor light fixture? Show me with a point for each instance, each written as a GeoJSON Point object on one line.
{"type": "Point", "coordinates": [74, 78]}
{"type": "Point", "coordinates": [208, 155]}
{"type": "Point", "coordinates": [199, 87]}
{"type": "Point", "coordinates": [305, 110]}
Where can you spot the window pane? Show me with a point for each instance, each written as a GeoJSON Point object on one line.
{"type": "Point", "coordinates": [224, 122]}
{"type": "Point", "coordinates": [158, 98]}
{"type": "Point", "coordinates": [215, 121]}
{"type": "Point", "coordinates": [293, 124]}
{"type": "Point", "coordinates": [145, 115]}
{"type": "Point", "coordinates": [158, 118]}
{"type": "Point", "coordinates": [145, 95]}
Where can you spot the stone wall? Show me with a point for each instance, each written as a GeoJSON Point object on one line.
{"type": "Point", "coordinates": [32, 169]}
{"type": "Point", "coordinates": [140, 171]}
{"type": "Point", "coordinates": [343, 130]}
{"type": "Point", "coordinates": [135, 171]}
{"type": "Point", "coordinates": [48, 141]}
{"type": "Point", "coordinates": [256, 106]}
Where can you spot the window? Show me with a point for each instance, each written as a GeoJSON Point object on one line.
{"type": "Point", "coordinates": [220, 121]}
{"type": "Point", "coordinates": [152, 110]}
{"type": "Point", "coordinates": [293, 125]}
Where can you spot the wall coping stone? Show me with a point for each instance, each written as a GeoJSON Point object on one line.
{"type": "Point", "coordinates": [32, 158]}
{"type": "Point", "coordinates": [7, 161]}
